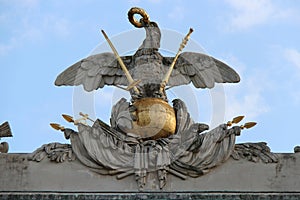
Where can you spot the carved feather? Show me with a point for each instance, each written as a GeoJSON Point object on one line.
{"type": "Point", "coordinates": [103, 69]}
{"type": "Point", "coordinates": [200, 69]}
{"type": "Point", "coordinates": [5, 130]}
{"type": "Point", "coordinates": [94, 72]}
{"type": "Point", "coordinates": [254, 152]}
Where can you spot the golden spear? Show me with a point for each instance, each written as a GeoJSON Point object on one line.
{"type": "Point", "coordinates": [132, 83]}
{"type": "Point", "coordinates": [168, 74]}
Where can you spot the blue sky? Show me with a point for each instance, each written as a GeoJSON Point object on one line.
{"type": "Point", "coordinates": [258, 38]}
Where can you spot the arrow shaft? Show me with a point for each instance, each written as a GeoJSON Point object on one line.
{"type": "Point", "coordinates": [124, 68]}
{"type": "Point", "coordinates": [182, 45]}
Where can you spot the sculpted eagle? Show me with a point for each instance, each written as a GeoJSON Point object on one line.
{"type": "Point", "coordinates": [147, 133]}
{"type": "Point", "coordinates": [148, 66]}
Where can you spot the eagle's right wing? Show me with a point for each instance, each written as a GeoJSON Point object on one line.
{"type": "Point", "coordinates": [94, 72]}
{"type": "Point", "coordinates": [200, 69]}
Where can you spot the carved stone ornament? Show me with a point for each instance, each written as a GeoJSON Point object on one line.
{"type": "Point", "coordinates": [147, 134]}
{"type": "Point", "coordinates": [5, 131]}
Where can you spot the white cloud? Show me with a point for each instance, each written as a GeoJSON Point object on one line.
{"type": "Point", "coordinates": [29, 3]}
{"type": "Point", "coordinates": [155, 1]}
{"type": "Point", "coordinates": [4, 48]}
{"type": "Point", "coordinates": [24, 29]}
{"type": "Point", "coordinates": [20, 35]}
{"type": "Point", "coordinates": [249, 103]}
{"type": "Point", "coordinates": [293, 56]}
{"type": "Point", "coordinates": [247, 97]}
{"type": "Point", "coordinates": [134, 1]}
{"type": "Point", "coordinates": [177, 13]}
{"type": "Point", "coordinates": [3, 18]}
{"type": "Point", "coordinates": [56, 25]}
{"type": "Point", "coordinates": [249, 13]}
{"type": "Point", "coordinates": [139, 1]}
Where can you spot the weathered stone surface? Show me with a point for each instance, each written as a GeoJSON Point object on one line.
{"type": "Point", "coordinates": [157, 196]}
{"type": "Point", "coordinates": [19, 174]}
{"type": "Point", "coordinates": [297, 149]}
{"type": "Point", "coordinates": [192, 151]}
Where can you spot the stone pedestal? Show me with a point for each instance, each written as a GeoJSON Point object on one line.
{"type": "Point", "coordinates": [242, 179]}
{"type": "Point", "coordinates": [150, 195]}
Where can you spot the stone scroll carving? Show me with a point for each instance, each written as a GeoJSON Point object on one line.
{"type": "Point", "coordinates": [5, 131]}
{"type": "Point", "coordinates": [254, 152]}
{"type": "Point", "coordinates": [191, 152]}
{"type": "Point", "coordinates": [53, 151]}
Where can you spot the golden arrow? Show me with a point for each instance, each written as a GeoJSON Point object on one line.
{"type": "Point", "coordinates": [248, 125]}
{"type": "Point", "coordinates": [165, 80]}
{"type": "Point", "coordinates": [132, 83]}
{"type": "Point", "coordinates": [82, 120]}
{"type": "Point", "coordinates": [57, 127]}
{"type": "Point", "coordinates": [68, 118]}
{"type": "Point", "coordinates": [85, 117]}
{"type": "Point", "coordinates": [235, 120]}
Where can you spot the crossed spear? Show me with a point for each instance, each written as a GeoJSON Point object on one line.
{"type": "Point", "coordinates": [70, 119]}
{"type": "Point", "coordinates": [133, 83]}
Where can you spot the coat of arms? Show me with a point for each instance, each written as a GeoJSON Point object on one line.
{"type": "Point", "coordinates": [149, 134]}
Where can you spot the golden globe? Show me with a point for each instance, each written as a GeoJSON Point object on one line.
{"type": "Point", "coordinates": [155, 118]}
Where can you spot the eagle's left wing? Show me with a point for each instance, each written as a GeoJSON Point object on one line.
{"type": "Point", "coordinates": [94, 72]}
{"type": "Point", "coordinates": [200, 69]}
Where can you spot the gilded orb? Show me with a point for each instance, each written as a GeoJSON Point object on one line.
{"type": "Point", "coordinates": [155, 118]}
